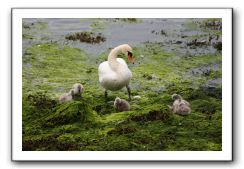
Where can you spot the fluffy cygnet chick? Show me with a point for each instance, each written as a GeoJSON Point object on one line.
{"type": "Point", "coordinates": [66, 96]}
{"type": "Point", "coordinates": [180, 106]}
{"type": "Point", "coordinates": [78, 88]}
{"type": "Point", "coordinates": [121, 105]}
{"type": "Point", "coordinates": [184, 109]}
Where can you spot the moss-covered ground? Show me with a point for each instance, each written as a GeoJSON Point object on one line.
{"type": "Point", "coordinates": [50, 69]}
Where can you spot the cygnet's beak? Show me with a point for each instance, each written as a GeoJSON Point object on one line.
{"type": "Point", "coordinates": [130, 57]}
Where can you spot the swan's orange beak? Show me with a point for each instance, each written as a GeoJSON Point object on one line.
{"type": "Point", "coordinates": [131, 58]}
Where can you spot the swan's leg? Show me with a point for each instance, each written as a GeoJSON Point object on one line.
{"type": "Point", "coordinates": [106, 95]}
{"type": "Point", "coordinates": [129, 91]}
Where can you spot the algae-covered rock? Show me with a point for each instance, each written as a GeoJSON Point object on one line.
{"type": "Point", "coordinates": [35, 106]}
{"type": "Point", "coordinates": [41, 100]}
{"type": "Point", "coordinates": [66, 142]}
{"type": "Point", "coordinates": [122, 130]}
{"type": "Point", "coordinates": [209, 106]}
{"type": "Point", "coordinates": [39, 142]}
{"type": "Point", "coordinates": [103, 109]}
{"type": "Point", "coordinates": [74, 111]}
{"type": "Point", "coordinates": [153, 113]}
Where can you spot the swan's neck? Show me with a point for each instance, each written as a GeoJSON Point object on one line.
{"type": "Point", "coordinates": [112, 58]}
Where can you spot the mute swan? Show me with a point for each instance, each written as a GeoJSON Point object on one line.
{"type": "Point", "coordinates": [114, 74]}
{"type": "Point", "coordinates": [180, 106]}
{"type": "Point", "coordinates": [121, 104]}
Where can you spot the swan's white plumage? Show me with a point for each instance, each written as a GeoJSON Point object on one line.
{"type": "Point", "coordinates": [112, 79]}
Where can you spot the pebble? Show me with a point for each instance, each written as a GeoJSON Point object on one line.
{"type": "Point", "coordinates": [137, 97]}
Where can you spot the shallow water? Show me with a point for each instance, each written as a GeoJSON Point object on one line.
{"type": "Point", "coordinates": [173, 34]}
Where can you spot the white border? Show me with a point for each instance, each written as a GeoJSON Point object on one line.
{"type": "Point", "coordinates": [19, 155]}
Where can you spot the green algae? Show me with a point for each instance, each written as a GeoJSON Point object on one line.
{"type": "Point", "coordinates": [31, 30]}
{"type": "Point", "coordinates": [70, 113]}
{"type": "Point", "coordinates": [50, 69]}
{"type": "Point", "coordinates": [98, 25]}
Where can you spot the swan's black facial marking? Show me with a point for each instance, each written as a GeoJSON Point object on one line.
{"type": "Point", "coordinates": [130, 54]}
{"type": "Point", "coordinates": [130, 57]}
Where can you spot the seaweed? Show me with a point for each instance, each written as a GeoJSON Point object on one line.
{"type": "Point", "coordinates": [88, 37]}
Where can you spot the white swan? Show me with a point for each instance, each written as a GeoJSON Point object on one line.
{"type": "Point", "coordinates": [114, 74]}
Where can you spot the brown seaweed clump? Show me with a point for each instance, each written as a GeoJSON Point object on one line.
{"type": "Point", "coordinates": [87, 37]}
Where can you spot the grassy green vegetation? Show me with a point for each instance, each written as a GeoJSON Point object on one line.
{"type": "Point", "coordinates": [50, 69]}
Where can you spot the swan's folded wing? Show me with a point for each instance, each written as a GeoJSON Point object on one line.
{"type": "Point", "coordinates": [105, 72]}
{"type": "Point", "coordinates": [121, 61]}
